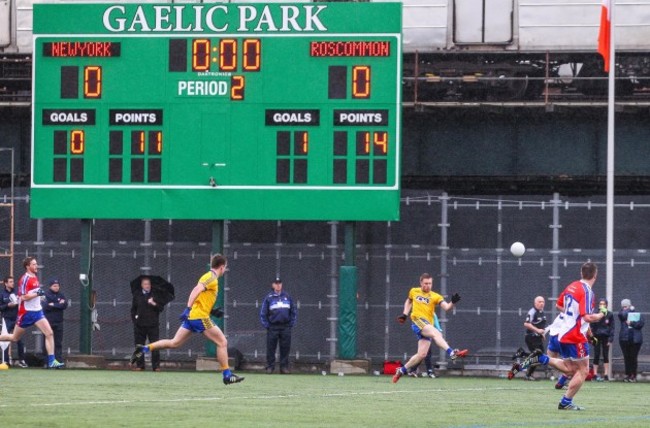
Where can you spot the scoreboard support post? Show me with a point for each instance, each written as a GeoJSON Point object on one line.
{"type": "Point", "coordinates": [218, 238]}
{"type": "Point", "coordinates": [347, 339]}
{"type": "Point", "coordinates": [86, 305]}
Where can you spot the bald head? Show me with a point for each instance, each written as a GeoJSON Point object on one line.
{"type": "Point", "coordinates": [539, 303]}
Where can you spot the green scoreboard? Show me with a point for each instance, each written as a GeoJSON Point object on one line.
{"type": "Point", "coordinates": [287, 111]}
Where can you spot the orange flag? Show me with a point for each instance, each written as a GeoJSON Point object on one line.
{"type": "Point", "coordinates": [605, 32]}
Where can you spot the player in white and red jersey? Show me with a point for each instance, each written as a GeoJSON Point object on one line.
{"type": "Point", "coordinates": [30, 311]}
{"type": "Point", "coordinates": [576, 301]}
{"type": "Point", "coordinates": [577, 304]}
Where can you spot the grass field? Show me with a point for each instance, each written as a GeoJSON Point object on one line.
{"type": "Point", "coordinates": [89, 398]}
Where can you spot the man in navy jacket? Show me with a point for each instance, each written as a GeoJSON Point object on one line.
{"type": "Point", "coordinates": [53, 306]}
{"type": "Point", "coordinates": [278, 316]}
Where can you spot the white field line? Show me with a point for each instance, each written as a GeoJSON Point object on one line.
{"type": "Point", "coordinates": [271, 397]}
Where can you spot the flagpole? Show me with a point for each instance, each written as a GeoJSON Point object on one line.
{"type": "Point", "coordinates": [609, 268]}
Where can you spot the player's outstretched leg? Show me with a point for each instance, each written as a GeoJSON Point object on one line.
{"type": "Point", "coordinates": [516, 368]}
{"type": "Point", "coordinates": [458, 353]}
{"type": "Point", "coordinates": [54, 364]}
{"type": "Point", "coordinates": [519, 354]}
{"type": "Point", "coordinates": [531, 360]}
{"type": "Point", "coordinates": [567, 404]}
{"type": "Point", "coordinates": [137, 354]}
{"type": "Point", "coordinates": [399, 373]}
{"type": "Point", "coordinates": [229, 378]}
{"type": "Point", "coordinates": [561, 382]}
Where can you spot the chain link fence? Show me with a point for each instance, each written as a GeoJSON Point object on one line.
{"type": "Point", "coordinates": [462, 242]}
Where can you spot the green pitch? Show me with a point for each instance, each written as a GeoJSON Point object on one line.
{"type": "Point", "coordinates": [71, 398]}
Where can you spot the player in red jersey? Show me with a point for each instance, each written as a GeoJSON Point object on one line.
{"type": "Point", "coordinates": [30, 312]}
{"type": "Point", "coordinates": [577, 304]}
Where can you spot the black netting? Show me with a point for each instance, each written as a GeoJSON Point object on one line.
{"type": "Point", "coordinates": [497, 289]}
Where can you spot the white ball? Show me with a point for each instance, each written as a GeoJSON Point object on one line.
{"type": "Point", "coordinates": [517, 249]}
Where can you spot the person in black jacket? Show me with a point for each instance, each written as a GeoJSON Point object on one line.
{"type": "Point", "coordinates": [9, 309]}
{"type": "Point", "coordinates": [278, 316]}
{"type": "Point", "coordinates": [53, 306]}
{"type": "Point", "coordinates": [603, 331]}
{"type": "Point", "coordinates": [535, 323]}
{"type": "Point", "coordinates": [145, 313]}
{"type": "Point", "coordinates": [630, 337]}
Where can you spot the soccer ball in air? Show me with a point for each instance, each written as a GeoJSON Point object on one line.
{"type": "Point", "coordinates": [517, 249]}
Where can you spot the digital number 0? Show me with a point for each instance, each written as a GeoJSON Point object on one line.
{"type": "Point", "coordinates": [200, 55]}
{"type": "Point", "coordinates": [361, 81]}
{"type": "Point", "coordinates": [92, 81]}
{"type": "Point", "coordinates": [77, 142]}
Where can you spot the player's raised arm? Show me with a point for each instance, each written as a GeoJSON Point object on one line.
{"type": "Point", "coordinates": [455, 298]}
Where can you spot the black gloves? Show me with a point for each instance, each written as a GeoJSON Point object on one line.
{"type": "Point", "coordinates": [40, 292]}
{"type": "Point", "coordinates": [217, 312]}
{"type": "Point", "coordinates": [402, 319]}
{"type": "Point", "coordinates": [455, 298]}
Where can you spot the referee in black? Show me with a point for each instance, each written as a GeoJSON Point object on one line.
{"type": "Point", "coordinates": [535, 324]}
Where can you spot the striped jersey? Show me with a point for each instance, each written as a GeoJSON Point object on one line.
{"type": "Point", "coordinates": [27, 284]}
{"type": "Point", "coordinates": [576, 301]}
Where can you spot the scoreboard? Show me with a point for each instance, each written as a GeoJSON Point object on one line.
{"type": "Point", "coordinates": [238, 111]}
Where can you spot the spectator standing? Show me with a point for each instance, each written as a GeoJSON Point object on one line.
{"type": "Point", "coordinates": [603, 331]}
{"type": "Point", "coordinates": [145, 313]}
{"type": "Point", "coordinates": [9, 309]}
{"type": "Point", "coordinates": [55, 304]}
{"type": "Point", "coordinates": [278, 316]}
{"type": "Point", "coordinates": [630, 338]}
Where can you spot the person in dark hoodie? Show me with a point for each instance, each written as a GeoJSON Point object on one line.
{"type": "Point", "coordinates": [53, 306]}
{"type": "Point", "coordinates": [145, 313]}
{"type": "Point", "coordinates": [603, 331]}
{"type": "Point", "coordinates": [9, 309]}
{"type": "Point", "coordinates": [278, 316]}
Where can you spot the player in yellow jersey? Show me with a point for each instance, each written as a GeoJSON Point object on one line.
{"type": "Point", "coordinates": [421, 303]}
{"type": "Point", "coordinates": [196, 319]}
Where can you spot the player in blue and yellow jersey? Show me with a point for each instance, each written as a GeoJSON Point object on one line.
{"type": "Point", "coordinates": [421, 303]}
{"type": "Point", "coordinates": [196, 319]}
